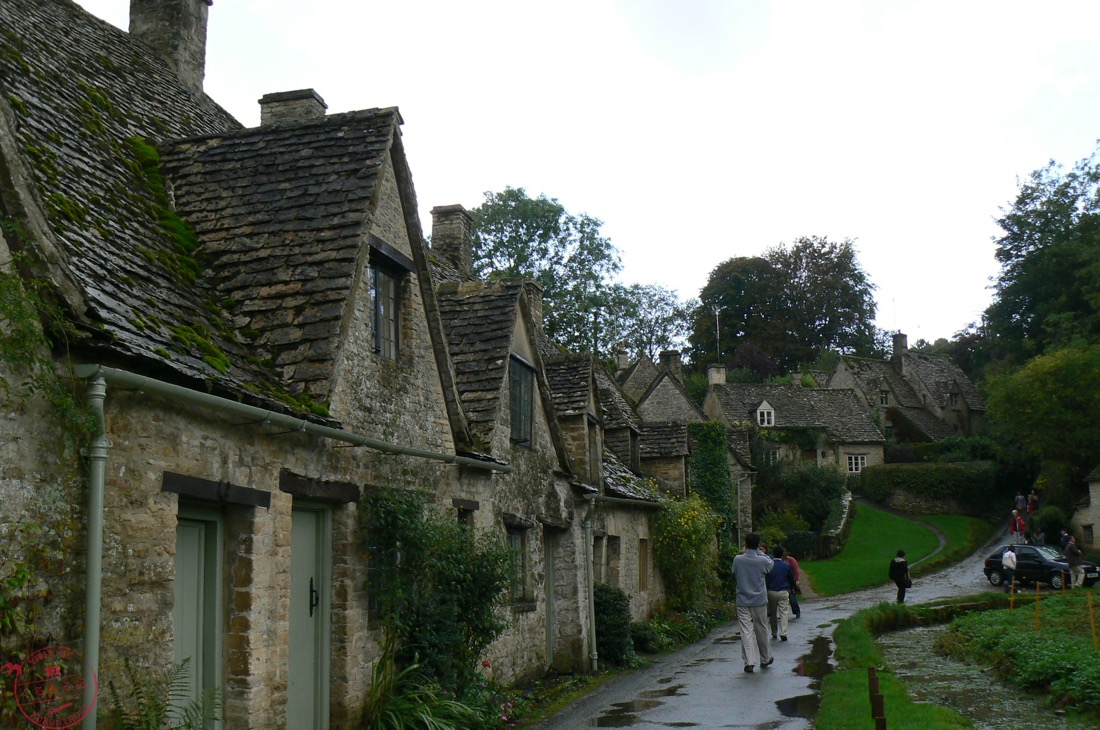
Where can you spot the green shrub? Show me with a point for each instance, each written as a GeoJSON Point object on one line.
{"type": "Point", "coordinates": [613, 640]}
{"type": "Point", "coordinates": [683, 541]}
{"type": "Point", "coordinates": [647, 638]}
{"type": "Point", "coordinates": [807, 490]}
{"type": "Point", "coordinates": [802, 544]}
{"type": "Point", "coordinates": [971, 484]}
{"type": "Point", "coordinates": [1049, 519]}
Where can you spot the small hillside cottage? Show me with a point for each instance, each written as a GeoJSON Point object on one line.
{"type": "Point", "coordinates": [915, 396]}
{"type": "Point", "coordinates": [254, 320]}
{"type": "Point", "coordinates": [816, 425]}
{"type": "Point", "coordinates": [1086, 519]}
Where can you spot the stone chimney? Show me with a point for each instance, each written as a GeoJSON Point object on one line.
{"type": "Point", "coordinates": [452, 234]}
{"type": "Point", "coordinates": [622, 359]}
{"type": "Point", "coordinates": [176, 31]}
{"type": "Point", "coordinates": [901, 349]}
{"type": "Point", "coordinates": [291, 106]}
{"type": "Point", "coordinates": [716, 375]}
{"type": "Point", "coordinates": [671, 360]}
{"type": "Point", "coordinates": [534, 300]}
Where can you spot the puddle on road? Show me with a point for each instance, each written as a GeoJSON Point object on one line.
{"type": "Point", "coordinates": [815, 665]}
{"type": "Point", "coordinates": [960, 686]}
{"type": "Point", "coordinates": [625, 714]}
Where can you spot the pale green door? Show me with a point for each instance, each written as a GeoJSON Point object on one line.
{"type": "Point", "coordinates": [196, 613]}
{"type": "Point", "coordinates": [308, 676]}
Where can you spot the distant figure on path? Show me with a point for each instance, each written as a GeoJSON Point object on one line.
{"type": "Point", "coordinates": [1008, 563]}
{"type": "Point", "coordinates": [796, 610]}
{"type": "Point", "coordinates": [899, 573]}
{"type": "Point", "coordinates": [1021, 502]}
{"type": "Point", "coordinates": [1017, 527]}
{"type": "Point", "coordinates": [780, 583]}
{"type": "Point", "coordinates": [1032, 503]}
{"type": "Point", "coordinates": [750, 569]}
{"type": "Point", "coordinates": [1073, 557]}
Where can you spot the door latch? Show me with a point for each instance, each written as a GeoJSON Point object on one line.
{"type": "Point", "coordinates": [314, 597]}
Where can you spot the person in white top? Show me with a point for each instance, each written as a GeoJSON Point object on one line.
{"type": "Point", "coordinates": [1008, 562]}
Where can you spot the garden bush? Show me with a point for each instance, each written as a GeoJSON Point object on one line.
{"type": "Point", "coordinates": [971, 484]}
{"type": "Point", "coordinates": [613, 637]}
{"type": "Point", "coordinates": [684, 545]}
{"type": "Point", "coordinates": [1050, 520]}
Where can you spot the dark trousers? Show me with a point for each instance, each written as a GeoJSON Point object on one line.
{"type": "Point", "coordinates": [796, 610]}
{"type": "Point", "coordinates": [901, 590]}
{"type": "Point", "coordinates": [1008, 580]}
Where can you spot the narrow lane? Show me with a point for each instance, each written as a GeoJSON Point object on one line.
{"type": "Point", "coordinates": [702, 685]}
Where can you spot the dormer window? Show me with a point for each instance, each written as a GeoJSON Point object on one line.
{"type": "Point", "coordinates": [388, 268]}
{"type": "Point", "coordinates": [765, 416]}
{"type": "Point", "coordinates": [521, 382]}
{"type": "Point", "coordinates": [884, 398]}
{"type": "Point", "coordinates": [953, 400]}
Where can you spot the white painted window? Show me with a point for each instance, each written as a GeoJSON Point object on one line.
{"type": "Point", "coordinates": [884, 397]}
{"type": "Point", "coordinates": [765, 417]}
{"type": "Point", "coordinates": [856, 463]}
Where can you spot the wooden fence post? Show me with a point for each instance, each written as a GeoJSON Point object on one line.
{"type": "Point", "coordinates": [878, 708]}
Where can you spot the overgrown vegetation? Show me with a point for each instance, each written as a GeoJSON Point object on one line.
{"type": "Point", "coordinates": [972, 485]}
{"type": "Point", "coordinates": [1054, 656]}
{"type": "Point", "coordinates": [159, 701]}
{"type": "Point", "coordinates": [709, 477]}
{"type": "Point", "coordinates": [807, 490]}
{"type": "Point", "coordinates": [684, 546]}
{"type": "Point", "coordinates": [613, 636]}
{"type": "Point", "coordinates": [442, 587]}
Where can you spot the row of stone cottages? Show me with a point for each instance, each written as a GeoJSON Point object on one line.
{"type": "Point", "coordinates": [252, 372]}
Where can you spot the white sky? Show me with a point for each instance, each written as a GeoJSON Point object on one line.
{"type": "Point", "coordinates": [700, 130]}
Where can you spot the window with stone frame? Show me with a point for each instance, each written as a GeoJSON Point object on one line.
{"type": "Point", "coordinates": [856, 463]}
{"type": "Point", "coordinates": [953, 400]}
{"type": "Point", "coordinates": [517, 542]}
{"type": "Point", "coordinates": [884, 397]}
{"type": "Point", "coordinates": [521, 381]}
{"type": "Point", "coordinates": [385, 295]}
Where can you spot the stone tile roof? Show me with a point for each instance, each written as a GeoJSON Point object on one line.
{"type": "Point", "coordinates": [637, 378]}
{"type": "Point", "coordinates": [926, 422]}
{"type": "Point", "coordinates": [479, 319]}
{"type": "Point", "coordinates": [873, 376]}
{"type": "Point", "coordinates": [617, 412]}
{"type": "Point", "coordinates": [280, 212]}
{"type": "Point", "coordinates": [75, 96]}
{"type": "Point", "coordinates": [625, 484]}
{"type": "Point", "coordinates": [569, 376]}
{"type": "Point", "coordinates": [663, 440]}
{"type": "Point", "coordinates": [838, 412]}
{"type": "Point", "coordinates": [939, 374]}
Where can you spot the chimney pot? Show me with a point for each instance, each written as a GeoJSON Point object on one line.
{"type": "Point", "coordinates": [291, 106]}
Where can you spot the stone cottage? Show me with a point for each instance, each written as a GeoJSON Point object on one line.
{"type": "Point", "coordinates": [256, 325]}
{"type": "Point", "coordinates": [816, 425]}
{"type": "Point", "coordinates": [913, 396]}
{"type": "Point", "coordinates": [1087, 515]}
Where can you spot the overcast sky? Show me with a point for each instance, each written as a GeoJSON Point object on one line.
{"type": "Point", "coordinates": [700, 130]}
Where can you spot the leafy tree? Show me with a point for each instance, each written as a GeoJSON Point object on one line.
{"type": "Point", "coordinates": [1049, 407]}
{"type": "Point", "coordinates": [648, 318]}
{"type": "Point", "coordinates": [516, 236]}
{"type": "Point", "coordinates": [794, 303]}
{"type": "Point", "coordinates": [1047, 293]}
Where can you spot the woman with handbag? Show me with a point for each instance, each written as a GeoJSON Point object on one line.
{"type": "Point", "coordinates": [899, 573]}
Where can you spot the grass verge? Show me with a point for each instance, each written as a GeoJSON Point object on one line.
{"type": "Point", "coordinates": [876, 537]}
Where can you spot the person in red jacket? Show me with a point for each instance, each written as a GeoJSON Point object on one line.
{"type": "Point", "coordinates": [1017, 527]}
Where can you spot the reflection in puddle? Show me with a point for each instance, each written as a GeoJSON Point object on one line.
{"type": "Point", "coordinates": [803, 706]}
{"type": "Point", "coordinates": [816, 665]}
{"type": "Point", "coordinates": [625, 714]}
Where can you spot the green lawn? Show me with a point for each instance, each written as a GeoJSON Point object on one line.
{"type": "Point", "coordinates": [865, 559]}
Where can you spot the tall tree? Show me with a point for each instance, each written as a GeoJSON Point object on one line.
{"type": "Point", "coordinates": [648, 318]}
{"type": "Point", "coordinates": [1047, 293]}
{"type": "Point", "coordinates": [793, 304]}
{"type": "Point", "coordinates": [519, 236]}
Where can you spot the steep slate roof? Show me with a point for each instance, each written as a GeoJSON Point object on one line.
{"type": "Point", "coordinates": [663, 440]}
{"type": "Point", "coordinates": [570, 379]}
{"type": "Point", "coordinates": [938, 373]}
{"type": "Point", "coordinates": [75, 96]}
{"type": "Point", "coordinates": [617, 412]}
{"type": "Point", "coordinates": [280, 211]}
{"type": "Point", "coordinates": [873, 376]}
{"type": "Point", "coordinates": [838, 412]}
{"type": "Point", "coordinates": [637, 378]}
{"type": "Point", "coordinates": [926, 422]}
{"type": "Point", "coordinates": [623, 483]}
{"type": "Point", "coordinates": [478, 320]}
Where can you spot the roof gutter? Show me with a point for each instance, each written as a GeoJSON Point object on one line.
{"type": "Point", "coordinates": [145, 384]}
{"type": "Point", "coordinates": [98, 377]}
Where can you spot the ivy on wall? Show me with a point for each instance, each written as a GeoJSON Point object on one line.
{"type": "Point", "coordinates": [709, 477]}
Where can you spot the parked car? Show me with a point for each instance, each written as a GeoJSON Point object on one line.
{"type": "Point", "coordinates": [1037, 564]}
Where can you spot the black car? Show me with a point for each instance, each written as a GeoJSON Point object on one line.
{"type": "Point", "coordinates": [1038, 564]}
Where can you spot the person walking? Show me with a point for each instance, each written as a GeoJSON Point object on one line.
{"type": "Point", "coordinates": [1021, 502]}
{"type": "Point", "coordinates": [1032, 503]}
{"type": "Point", "coordinates": [1017, 527]}
{"type": "Point", "coordinates": [780, 583]}
{"type": "Point", "coordinates": [1073, 557]}
{"type": "Point", "coordinates": [899, 573]}
{"type": "Point", "coordinates": [796, 610]}
{"type": "Point", "coordinates": [750, 570]}
{"type": "Point", "coordinates": [1008, 565]}
{"type": "Point", "coordinates": [1064, 539]}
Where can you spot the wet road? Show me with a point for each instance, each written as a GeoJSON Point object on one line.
{"type": "Point", "coordinates": [703, 685]}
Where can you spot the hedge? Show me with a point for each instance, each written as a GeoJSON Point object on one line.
{"type": "Point", "coordinates": [970, 483]}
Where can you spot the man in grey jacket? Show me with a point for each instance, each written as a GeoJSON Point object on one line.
{"type": "Point", "coordinates": [750, 569]}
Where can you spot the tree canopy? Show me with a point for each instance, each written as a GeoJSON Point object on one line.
{"type": "Point", "coordinates": [585, 310]}
{"type": "Point", "coordinates": [792, 304]}
{"type": "Point", "coordinates": [1047, 293]}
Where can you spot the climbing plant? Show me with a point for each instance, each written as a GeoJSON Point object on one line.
{"type": "Point", "coordinates": [684, 542]}
{"type": "Point", "coordinates": [442, 585]}
{"type": "Point", "coordinates": [709, 472]}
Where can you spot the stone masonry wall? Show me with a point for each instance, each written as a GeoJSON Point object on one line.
{"type": "Point", "coordinates": [666, 403]}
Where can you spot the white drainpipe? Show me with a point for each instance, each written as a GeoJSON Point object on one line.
{"type": "Point", "coordinates": [98, 377]}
